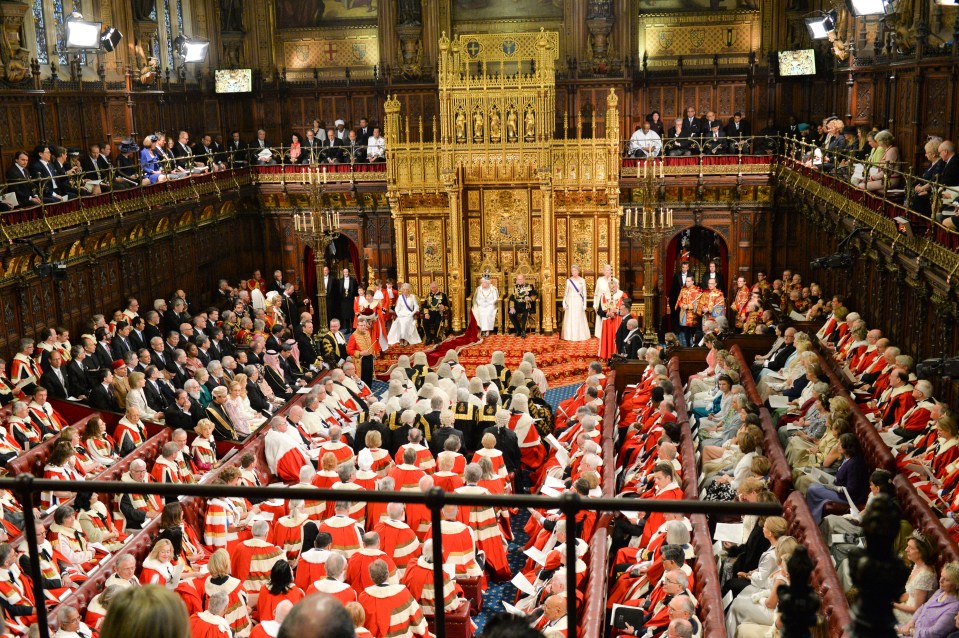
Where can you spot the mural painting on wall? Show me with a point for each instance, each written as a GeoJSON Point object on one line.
{"type": "Point", "coordinates": [305, 14]}
{"type": "Point", "coordinates": [471, 10]}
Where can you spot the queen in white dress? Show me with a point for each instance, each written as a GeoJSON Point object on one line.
{"type": "Point", "coordinates": [602, 288]}
{"type": "Point", "coordinates": [484, 305]}
{"type": "Point", "coordinates": [575, 327]}
{"type": "Point", "coordinates": [404, 327]}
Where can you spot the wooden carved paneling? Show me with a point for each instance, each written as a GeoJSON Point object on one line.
{"type": "Point", "coordinates": [864, 101]}
{"type": "Point", "coordinates": [936, 105]}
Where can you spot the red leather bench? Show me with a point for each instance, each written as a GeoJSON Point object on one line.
{"type": "Point", "coordinates": [825, 581]}
{"type": "Point", "coordinates": [706, 588]}
{"type": "Point", "coordinates": [593, 617]}
{"type": "Point", "coordinates": [687, 450]}
{"type": "Point", "coordinates": [780, 475]}
{"type": "Point", "coordinates": [33, 461]}
{"type": "Point", "coordinates": [917, 511]}
{"type": "Point", "coordinates": [458, 623]}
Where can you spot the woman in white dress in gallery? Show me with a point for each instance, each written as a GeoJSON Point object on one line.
{"type": "Point", "coordinates": [485, 300]}
{"type": "Point", "coordinates": [575, 327]}
{"type": "Point", "coordinates": [602, 288]}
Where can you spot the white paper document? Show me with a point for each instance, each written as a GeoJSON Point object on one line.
{"type": "Point", "coordinates": [521, 583]}
{"type": "Point", "coordinates": [778, 401]}
{"type": "Point", "coordinates": [729, 533]}
{"type": "Point", "coordinates": [513, 610]}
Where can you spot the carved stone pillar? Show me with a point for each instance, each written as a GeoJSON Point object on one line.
{"type": "Point", "coordinates": [599, 21]}
{"type": "Point", "coordinates": [548, 286]}
{"type": "Point", "coordinates": [15, 58]}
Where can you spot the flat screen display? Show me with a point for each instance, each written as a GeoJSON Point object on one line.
{"type": "Point", "coordinates": [802, 62]}
{"type": "Point", "coordinates": [234, 81]}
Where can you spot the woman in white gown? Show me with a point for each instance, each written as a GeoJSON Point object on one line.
{"type": "Point", "coordinates": [602, 288]}
{"type": "Point", "coordinates": [575, 327]}
{"type": "Point", "coordinates": [484, 306]}
{"type": "Point", "coordinates": [404, 327]}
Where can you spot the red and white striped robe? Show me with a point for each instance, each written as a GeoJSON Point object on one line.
{"type": "Point", "coordinates": [392, 611]}
{"type": "Point", "coordinates": [346, 535]}
{"type": "Point", "coordinates": [399, 542]}
{"type": "Point", "coordinates": [424, 458]}
{"type": "Point", "coordinates": [419, 580]}
{"type": "Point", "coordinates": [251, 561]}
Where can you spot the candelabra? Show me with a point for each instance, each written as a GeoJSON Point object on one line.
{"type": "Point", "coordinates": [649, 227]}
{"type": "Point", "coordinates": [317, 227]}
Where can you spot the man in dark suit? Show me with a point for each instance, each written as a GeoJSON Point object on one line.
{"type": "Point", "coordinates": [364, 132]}
{"type": "Point", "coordinates": [102, 352]}
{"type": "Point", "coordinates": [102, 396]}
{"type": "Point", "coordinates": [137, 338]}
{"type": "Point", "coordinates": [623, 329]}
{"type": "Point", "coordinates": [692, 126]}
{"type": "Point", "coordinates": [679, 141]}
{"type": "Point", "coordinates": [348, 289]}
{"type": "Point", "coordinates": [258, 146]}
{"type": "Point", "coordinates": [152, 390]}
{"type": "Point", "coordinates": [777, 359]}
{"type": "Point", "coordinates": [309, 353]}
{"type": "Point", "coordinates": [20, 182]}
{"type": "Point", "coordinates": [237, 150]}
{"type": "Point", "coordinates": [120, 344]}
{"type": "Point", "coordinates": [183, 153]}
{"type": "Point", "coordinates": [709, 122]}
{"type": "Point", "coordinates": [713, 272]}
{"type": "Point", "coordinates": [78, 381]}
{"type": "Point", "coordinates": [355, 151]}
{"type": "Point", "coordinates": [179, 415]}
{"type": "Point", "coordinates": [55, 378]}
{"type": "Point", "coordinates": [327, 286]}
{"type": "Point", "coordinates": [737, 130]}
{"type": "Point", "coordinates": [92, 167]}
{"type": "Point", "coordinates": [950, 170]}
{"type": "Point", "coordinates": [714, 141]}
{"type": "Point", "coordinates": [310, 149]}
{"type": "Point", "coordinates": [43, 170]}
{"type": "Point", "coordinates": [291, 306]}
{"type": "Point", "coordinates": [633, 341]}
{"type": "Point", "coordinates": [331, 151]}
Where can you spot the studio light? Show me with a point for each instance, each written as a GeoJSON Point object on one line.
{"type": "Point", "coordinates": [820, 26]}
{"type": "Point", "coordinates": [82, 34]}
{"type": "Point", "coordinates": [110, 39]}
{"type": "Point", "coordinates": [948, 3]}
{"type": "Point", "coordinates": [191, 50]}
{"type": "Point", "coordinates": [868, 7]}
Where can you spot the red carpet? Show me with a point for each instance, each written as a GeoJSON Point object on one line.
{"type": "Point", "coordinates": [561, 361]}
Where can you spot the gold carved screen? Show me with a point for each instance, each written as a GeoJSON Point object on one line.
{"type": "Point", "coordinates": [498, 190]}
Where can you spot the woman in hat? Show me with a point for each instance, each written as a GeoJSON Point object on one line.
{"type": "Point", "coordinates": [150, 163]}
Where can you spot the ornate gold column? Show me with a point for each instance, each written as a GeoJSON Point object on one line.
{"type": "Point", "coordinates": [548, 289]}
{"type": "Point", "coordinates": [456, 265]}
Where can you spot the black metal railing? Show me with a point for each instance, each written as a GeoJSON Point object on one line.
{"type": "Point", "coordinates": [25, 486]}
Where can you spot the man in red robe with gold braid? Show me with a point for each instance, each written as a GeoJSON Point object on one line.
{"type": "Point", "coordinates": [358, 566]}
{"type": "Point", "coordinates": [342, 529]}
{"type": "Point", "coordinates": [398, 539]}
{"type": "Point", "coordinates": [897, 399]}
{"type": "Point", "coordinates": [253, 559]}
{"type": "Point", "coordinates": [211, 623]}
{"type": "Point", "coordinates": [391, 609]}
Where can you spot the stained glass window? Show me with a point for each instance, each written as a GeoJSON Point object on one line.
{"type": "Point", "coordinates": [41, 29]}
{"type": "Point", "coordinates": [61, 32]}
{"type": "Point", "coordinates": [179, 14]}
{"type": "Point", "coordinates": [169, 31]}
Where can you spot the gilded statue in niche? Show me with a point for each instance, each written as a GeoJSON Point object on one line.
{"type": "Point", "coordinates": [460, 125]}
{"type": "Point", "coordinates": [478, 126]}
{"type": "Point", "coordinates": [511, 124]}
{"type": "Point", "coordinates": [529, 125]}
{"type": "Point", "coordinates": [495, 126]}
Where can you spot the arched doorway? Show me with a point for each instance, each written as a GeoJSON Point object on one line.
{"type": "Point", "coordinates": [700, 246]}
{"type": "Point", "coordinates": [341, 253]}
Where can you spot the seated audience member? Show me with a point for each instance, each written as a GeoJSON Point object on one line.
{"type": "Point", "coordinates": [937, 616]}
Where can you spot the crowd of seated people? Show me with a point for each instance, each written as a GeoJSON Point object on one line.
{"type": "Point", "coordinates": [817, 425]}
{"type": "Point", "coordinates": [51, 174]}
{"type": "Point", "coordinates": [236, 564]}
{"type": "Point", "coordinates": [692, 135]}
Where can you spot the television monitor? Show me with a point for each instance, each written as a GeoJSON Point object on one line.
{"type": "Point", "coordinates": [801, 62]}
{"type": "Point", "coordinates": [234, 81]}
